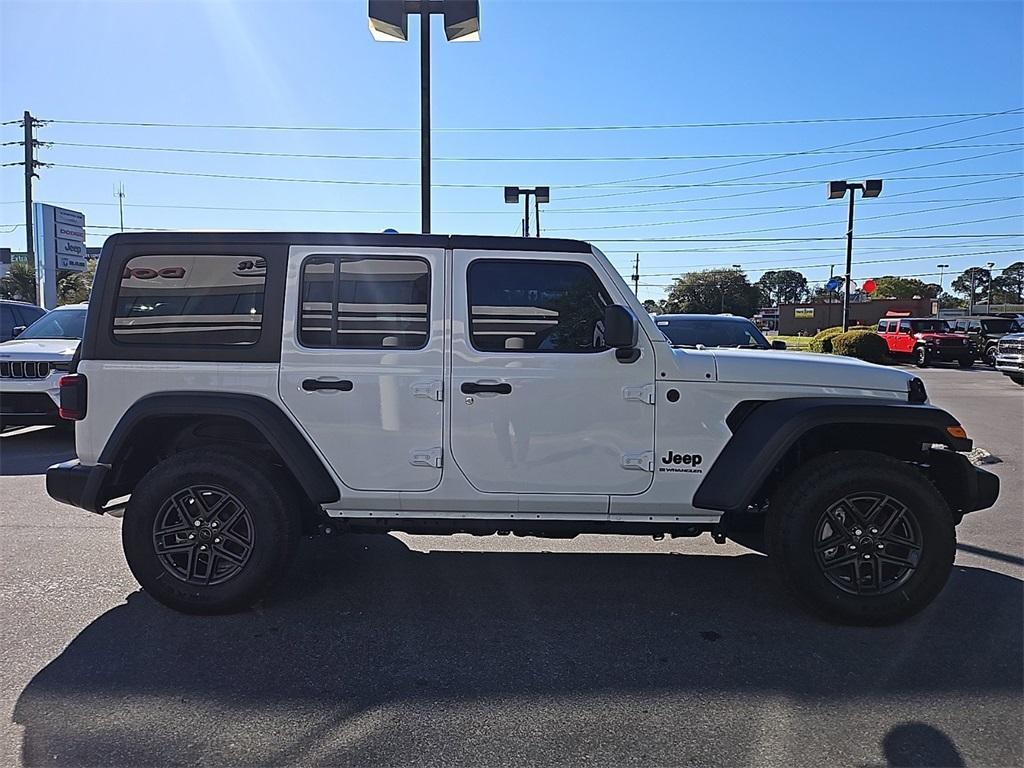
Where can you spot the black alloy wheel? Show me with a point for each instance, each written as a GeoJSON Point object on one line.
{"type": "Point", "coordinates": [868, 543]}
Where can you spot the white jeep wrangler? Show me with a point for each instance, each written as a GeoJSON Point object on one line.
{"type": "Point", "coordinates": [235, 390]}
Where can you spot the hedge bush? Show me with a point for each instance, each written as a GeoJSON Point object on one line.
{"type": "Point", "coordinates": [822, 341]}
{"type": "Point", "coordinates": [864, 345]}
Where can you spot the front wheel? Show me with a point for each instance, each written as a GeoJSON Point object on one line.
{"type": "Point", "coordinates": [921, 357]}
{"type": "Point", "coordinates": [966, 362]}
{"type": "Point", "coordinates": [861, 538]}
{"type": "Point", "coordinates": [990, 356]}
{"type": "Point", "coordinates": [207, 531]}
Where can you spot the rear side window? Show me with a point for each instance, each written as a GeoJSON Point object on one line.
{"type": "Point", "coordinates": [365, 302]}
{"type": "Point", "coordinates": [882, 325]}
{"type": "Point", "coordinates": [189, 300]}
{"type": "Point", "coordinates": [536, 306]}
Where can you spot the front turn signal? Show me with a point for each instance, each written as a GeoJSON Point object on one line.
{"type": "Point", "coordinates": [957, 431]}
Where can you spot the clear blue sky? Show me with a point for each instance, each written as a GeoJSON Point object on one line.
{"type": "Point", "coordinates": [538, 64]}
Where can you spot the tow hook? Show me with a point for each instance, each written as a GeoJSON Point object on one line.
{"type": "Point", "coordinates": [718, 535]}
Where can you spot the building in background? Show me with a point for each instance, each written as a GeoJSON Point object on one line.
{"type": "Point", "coordinates": [810, 317]}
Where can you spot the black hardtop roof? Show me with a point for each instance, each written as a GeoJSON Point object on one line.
{"type": "Point", "coordinates": [467, 242]}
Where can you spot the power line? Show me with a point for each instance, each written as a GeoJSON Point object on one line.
{"type": "Point", "coordinates": [831, 146]}
{"type": "Point", "coordinates": [686, 222]}
{"type": "Point", "coordinates": [506, 159]}
{"type": "Point", "coordinates": [513, 129]}
{"type": "Point", "coordinates": [366, 182]}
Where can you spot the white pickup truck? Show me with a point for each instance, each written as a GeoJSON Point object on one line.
{"type": "Point", "coordinates": [235, 389]}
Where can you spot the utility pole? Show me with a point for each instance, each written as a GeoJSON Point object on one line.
{"type": "Point", "coordinates": [30, 171]}
{"type": "Point", "coordinates": [988, 305]}
{"type": "Point", "coordinates": [119, 194]}
{"type": "Point", "coordinates": [636, 276]}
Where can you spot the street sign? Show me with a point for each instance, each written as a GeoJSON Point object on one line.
{"type": "Point", "coordinates": [59, 237]}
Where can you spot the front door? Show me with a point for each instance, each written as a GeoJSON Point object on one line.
{"type": "Point", "coordinates": [361, 361]}
{"type": "Point", "coordinates": [539, 404]}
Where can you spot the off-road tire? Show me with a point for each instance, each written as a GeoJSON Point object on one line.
{"type": "Point", "coordinates": [966, 362]}
{"type": "Point", "coordinates": [799, 505]}
{"type": "Point", "coordinates": [921, 357]}
{"type": "Point", "coordinates": [990, 356]}
{"type": "Point", "coordinates": [255, 485]}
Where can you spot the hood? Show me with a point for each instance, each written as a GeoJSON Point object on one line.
{"type": "Point", "coordinates": [38, 349]}
{"type": "Point", "coordinates": [807, 368]}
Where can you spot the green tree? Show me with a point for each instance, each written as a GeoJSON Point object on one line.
{"type": "Point", "coordinates": [1008, 288]}
{"type": "Point", "coordinates": [654, 307]}
{"type": "Point", "coordinates": [892, 287]}
{"type": "Point", "coordinates": [72, 287]}
{"type": "Point", "coordinates": [712, 291]}
{"type": "Point", "coordinates": [962, 284]}
{"type": "Point", "coordinates": [783, 286]}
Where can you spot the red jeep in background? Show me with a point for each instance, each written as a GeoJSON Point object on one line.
{"type": "Point", "coordinates": [927, 340]}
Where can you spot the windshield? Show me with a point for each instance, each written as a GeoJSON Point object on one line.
{"type": "Point", "coordinates": [1000, 325]}
{"type": "Point", "coordinates": [689, 332]}
{"type": "Point", "coordinates": [930, 326]}
{"type": "Point", "coordinates": [59, 324]}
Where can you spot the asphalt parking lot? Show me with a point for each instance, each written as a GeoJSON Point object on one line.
{"type": "Point", "coordinates": [500, 651]}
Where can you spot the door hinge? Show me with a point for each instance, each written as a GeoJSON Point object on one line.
{"type": "Point", "coordinates": [644, 394]}
{"type": "Point", "coordinates": [431, 390]}
{"type": "Point", "coordinates": [641, 461]}
{"type": "Point", "coordinates": [425, 457]}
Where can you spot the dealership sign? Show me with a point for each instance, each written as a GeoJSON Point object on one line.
{"type": "Point", "coordinates": [60, 237]}
{"type": "Point", "coordinates": [59, 240]}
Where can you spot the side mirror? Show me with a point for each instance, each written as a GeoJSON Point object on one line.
{"type": "Point", "coordinates": [778, 344]}
{"type": "Point", "coordinates": [621, 332]}
{"type": "Point", "coordinates": [620, 327]}
{"type": "Point", "coordinates": [17, 330]}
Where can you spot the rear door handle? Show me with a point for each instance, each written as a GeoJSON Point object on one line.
{"type": "Point", "coordinates": [475, 388]}
{"type": "Point", "coordinates": [315, 385]}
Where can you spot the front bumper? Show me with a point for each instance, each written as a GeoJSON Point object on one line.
{"type": "Point", "coordinates": [950, 354]}
{"type": "Point", "coordinates": [27, 402]}
{"type": "Point", "coordinates": [965, 487]}
{"type": "Point", "coordinates": [1010, 363]}
{"type": "Point", "coordinates": [71, 482]}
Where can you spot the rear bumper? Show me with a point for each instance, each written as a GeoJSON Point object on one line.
{"type": "Point", "coordinates": [73, 483]}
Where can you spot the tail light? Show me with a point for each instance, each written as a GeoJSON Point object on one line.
{"type": "Point", "coordinates": [73, 396]}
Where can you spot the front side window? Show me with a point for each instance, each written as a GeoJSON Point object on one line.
{"type": "Point", "coordinates": [193, 300]}
{"type": "Point", "coordinates": [535, 306]}
{"type": "Point", "coordinates": [904, 326]}
{"type": "Point", "coordinates": [354, 302]}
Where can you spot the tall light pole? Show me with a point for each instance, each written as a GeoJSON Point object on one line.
{"type": "Point", "coordinates": [389, 21]}
{"type": "Point", "coordinates": [836, 191]}
{"type": "Point", "coordinates": [540, 195]}
{"type": "Point", "coordinates": [988, 305]}
{"type": "Point", "coordinates": [721, 290]}
{"type": "Point", "coordinates": [942, 272]}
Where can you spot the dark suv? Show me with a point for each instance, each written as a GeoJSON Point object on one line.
{"type": "Point", "coordinates": [985, 333]}
{"type": "Point", "coordinates": [16, 316]}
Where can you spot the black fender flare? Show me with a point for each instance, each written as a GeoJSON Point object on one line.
{"type": "Point", "coordinates": [264, 415]}
{"type": "Point", "coordinates": [768, 430]}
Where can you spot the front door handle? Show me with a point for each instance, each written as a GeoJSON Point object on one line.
{"type": "Point", "coordinates": [315, 385]}
{"type": "Point", "coordinates": [475, 388]}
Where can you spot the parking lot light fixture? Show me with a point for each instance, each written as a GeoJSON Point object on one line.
{"type": "Point", "coordinates": [540, 195]}
{"type": "Point", "coordinates": [836, 191]}
{"type": "Point", "coordinates": [389, 21]}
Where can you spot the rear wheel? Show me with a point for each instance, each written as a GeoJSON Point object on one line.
{"type": "Point", "coordinates": [966, 362]}
{"type": "Point", "coordinates": [921, 357]}
{"type": "Point", "coordinates": [861, 538]}
{"type": "Point", "coordinates": [208, 532]}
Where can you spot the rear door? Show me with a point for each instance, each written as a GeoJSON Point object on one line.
{"type": "Point", "coordinates": [361, 361]}
{"type": "Point", "coordinates": [539, 404]}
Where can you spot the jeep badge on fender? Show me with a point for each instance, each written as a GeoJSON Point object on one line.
{"type": "Point", "coordinates": [285, 383]}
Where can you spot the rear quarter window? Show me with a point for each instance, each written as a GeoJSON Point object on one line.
{"type": "Point", "coordinates": [201, 300]}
